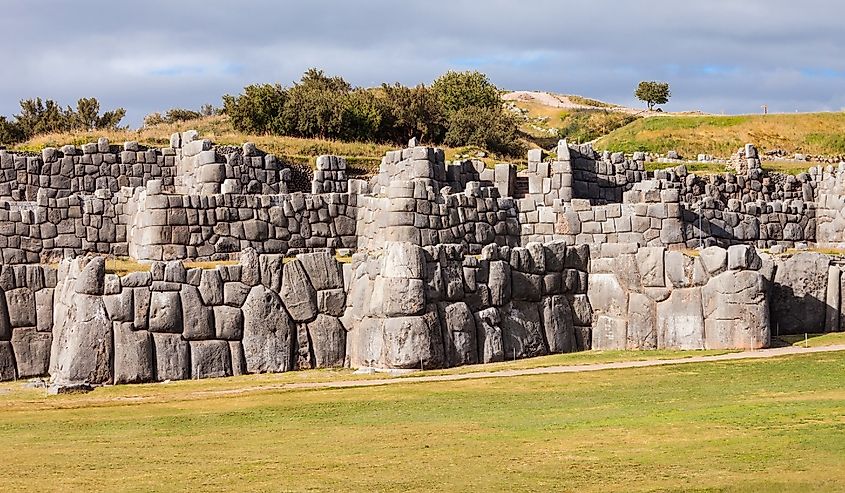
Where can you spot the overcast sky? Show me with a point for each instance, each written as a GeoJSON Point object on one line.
{"type": "Point", "coordinates": [727, 56]}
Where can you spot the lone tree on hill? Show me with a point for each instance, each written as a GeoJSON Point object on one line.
{"type": "Point", "coordinates": [653, 92]}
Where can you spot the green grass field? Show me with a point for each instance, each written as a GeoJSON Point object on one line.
{"type": "Point", "coordinates": [808, 133]}
{"type": "Point", "coordinates": [755, 425]}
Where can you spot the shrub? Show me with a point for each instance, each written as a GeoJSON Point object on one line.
{"type": "Point", "coordinates": [489, 128]}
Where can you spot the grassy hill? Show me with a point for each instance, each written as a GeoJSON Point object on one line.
{"type": "Point", "coordinates": [807, 133]}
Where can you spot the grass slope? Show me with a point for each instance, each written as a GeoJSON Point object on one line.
{"type": "Point", "coordinates": [772, 425]}
{"type": "Point", "coordinates": [809, 133]}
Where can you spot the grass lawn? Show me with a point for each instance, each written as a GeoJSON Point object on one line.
{"type": "Point", "coordinates": [814, 340]}
{"type": "Point", "coordinates": [755, 425]}
{"type": "Point", "coordinates": [808, 133]}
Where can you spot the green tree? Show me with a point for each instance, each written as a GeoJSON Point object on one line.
{"type": "Point", "coordinates": [10, 132]}
{"type": "Point", "coordinates": [459, 90]}
{"type": "Point", "coordinates": [414, 112]}
{"type": "Point", "coordinates": [489, 128]}
{"type": "Point", "coordinates": [258, 109]}
{"type": "Point", "coordinates": [653, 93]}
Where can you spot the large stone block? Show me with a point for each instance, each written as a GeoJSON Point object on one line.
{"type": "Point", "coordinates": [680, 321]}
{"type": "Point", "coordinates": [489, 334]}
{"type": "Point", "coordinates": [651, 264]}
{"type": "Point", "coordinates": [228, 323]}
{"type": "Point", "coordinates": [165, 312]}
{"type": "Point", "coordinates": [459, 334]}
{"type": "Point", "coordinates": [198, 318]}
{"type": "Point", "coordinates": [736, 311]}
{"type": "Point", "coordinates": [83, 346]}
{"type": "Point", "coordinates": [403, 260]}
{"type": "Point", "coordinates": [398, 297]}
{"type": "Point", "coordinates": [172, 357]}
{"type": "Point", "coordinates": [365, 343]}
{"type": "Point", "coordinates": [32, 352]}
{"type": "Point", "coordinates": [133, 355]}
{"type": "Point", "coordinates": [499, 282]}
{"type": "Point", "coordinates": [522, 330]}
{"type": "Point", "coordinates": [298, 295]}
{"type": "Point", "coordinates": [327, 340]}
{"type": "Point", "coordinates": [7, 362]}
{"type": "Point", "coordinates": [210, 359]}
{"type": "Point", "coordinates": [322, 269]}
{"type": "Point", "coordinates": [268, 334]}
{"type": "Point", "coordinates": [607, 296]}
{"type": "Point", "coordinates": [609, 333]}
{"type": "Point", "coordinates": [642, 322]}
{"type": "Point", "coordinates": [21, 306]}
{"type": "Point", "coordinates": [798, 303]}
{"type": "Point", "coordinates": [413, 342]}
{"type": "Point", "coordinates": [557, 323]}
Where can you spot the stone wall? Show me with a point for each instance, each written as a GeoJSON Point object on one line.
{"type": "Point", "coordinates": [169, 226]}
{"type": "Point", "coordinates": [651, 298]}
{"type": "Point", "coordinates": [412, 307]}
{"type": "Point", "coordinates": [262, 315]}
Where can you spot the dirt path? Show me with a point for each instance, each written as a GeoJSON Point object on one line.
{"type": "Point", "coordinates": [549, 370]}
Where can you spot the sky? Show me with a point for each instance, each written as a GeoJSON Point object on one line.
{"type": "Point", "coordinates": [719, 56]}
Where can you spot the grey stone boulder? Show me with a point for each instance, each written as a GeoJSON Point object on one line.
{"type": "Point", "coordinates": [91, 280]}
{"type": "Point", "coordinates": [83, 346]}
{"type": "Point", "coordinates": [394, 296]}
{"type": "Point", "coordinates": [680, 320]}
{"type": "Point", "coordinates": [798, 295]}
{"type": "Point", "coordinates": [609, 333]}
{"type": "Point", "coordinates": [250, 267]}
{"type": "Point", "coordinates": [365, 343]}
{"type": "Point", "coordinates": [714, 259]}
{"type": "Point", "coordinates": [322, 269]}
{"type": "Point", "coordinates": [582, 312]}
{"type": "Point", "coordinates": [228, 323]}
{"type": "Point", "coordinates": [210, 359]}
{"type": "Point", "coordinates": [121, 306]}
{"type": "Point", "coordinates": [742, 257]}
{"type": "Point", "coordinates": [555, 253]}
{"type": "Point", "coordinates": [642, 323]}
{"type": "Point", "coordinates": [198, 319]}
{"type": "Point", "coordinates": [211, 287]}
{"type": "Point", "coordinates": [650, 262]}
{"type": "Point", "coordinates": [499, 282]}
{"type": "Point", "coordinates": [526, 287]}
{"type": "Point", "coordinates": [297, 293]}
{"type": "Point", "coordinates": [133, 355]}
{"type": "Point", "coordinates": [607, 296]}
{"type": "Point", "coordinates": [327, 340]}
{"type": "Point", "coordinates": [5, 323]}
{"type": "Point", "coordinates": [172, 357]}
{"type": "Point", "coordinates": [557, 324]}
{"type": "Point", "coordinates": [522, 330]}
{"type": "Point", "coordinates": [7, 362]}
{"type": "Point", "coordinates": [403, 260]}
{"type": "Point", "coordinates": [459, 334]}
{"type": "Point", "coordinates": [236, 349]}
{"type": "Point", "coordinates": [414, 342]}
{"type": "Point", "coordinates": [165, 312]}
{"type": "Point", "coordinates": [331, 302]}
{"type": "Point", "coordinates": [736, 311]}
{"type": "Point", "coordinates": [489, 334]}
{"type": "Point", "coordinates": [271, 271]}
{"type": "Point", "coordinates": [268, 335]}
{"type": "Point", "coordinates": [21, 306]}
{"type": "Point", "coordinates": [32, 352]}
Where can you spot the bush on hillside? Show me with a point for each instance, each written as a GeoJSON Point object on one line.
{"type": "Point", "coordinates": [330, 108]}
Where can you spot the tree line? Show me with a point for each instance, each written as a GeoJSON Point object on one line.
{"type": "Point", "coordinates": [458, 109]}
{"type": "Point", "coordinates": [39, 117]}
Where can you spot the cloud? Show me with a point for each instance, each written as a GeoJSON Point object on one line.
{"type": "Point", "coordinates": [719, 55]}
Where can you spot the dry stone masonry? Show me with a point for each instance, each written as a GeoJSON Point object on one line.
{"type": "Point", "coordinates": [426, 264]}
